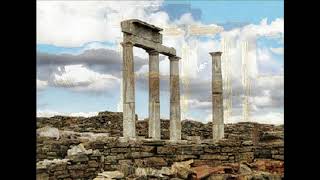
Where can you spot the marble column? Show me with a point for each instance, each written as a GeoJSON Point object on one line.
{"type": "Point", "coordinates": [129, 125]}
{"type": "Point", "coordinates": [175, 116]}
{"type": "Point", "coordinates": [217, 97]}
{"type": "Point", "coordinates": [154, 95]}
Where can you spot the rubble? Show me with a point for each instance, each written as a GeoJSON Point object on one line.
{"type": "Point", "coordinates": [48, 131]}
{"type": "Point", "coordinates": [79, 149]}
{"type": "Point", "coordinates": [106, 175]}
{"type": "Point", "coordinates": [110, 123]}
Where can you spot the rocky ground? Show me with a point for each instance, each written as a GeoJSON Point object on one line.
{"type": "Point", "coordinates": [90, 148]}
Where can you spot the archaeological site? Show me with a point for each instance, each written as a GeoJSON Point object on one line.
{"type": "Point", "coordinates": [119, 145]}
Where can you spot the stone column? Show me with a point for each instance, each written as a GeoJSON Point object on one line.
{"type": "Point", "coordinates": [175, 116]}
{"type": "Point", "coordinates": [129, 125]}
{"type": "Point", "coordinates": [154, 95]}
{"type": "Point", "coordinates": [217, 97]}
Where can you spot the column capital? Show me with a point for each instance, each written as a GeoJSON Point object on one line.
{"type": "Point", "coordinates": [127, 43]}
{"type": "Point", "coordinates": [174, 58]}
{"type": "Point", "coordinates": [218, 53]}
{"type": "Point", "coordinates": [152, 52]}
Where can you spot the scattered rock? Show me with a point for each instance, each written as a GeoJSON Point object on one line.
{"type": "Point", "coordinates": [109, 175]}
{"type": "Point", "coordinates": [244, 169]}
{"type": "Point", "coordinates": [183, 169]}
{"type": "Point", "coordinates": [48, 132]}
{"type": "Point", "coordinates": [79, 149]}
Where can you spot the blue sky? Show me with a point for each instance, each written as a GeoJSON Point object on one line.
{"type": "Point", "coordinates": [228, 14]}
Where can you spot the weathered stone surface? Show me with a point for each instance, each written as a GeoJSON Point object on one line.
{"type": "Point", "coordinates": [154, 95]}
{"type": "Point", "coordinates": [214, 157]}
{"type": "Point", "coordinates": [128, 91]}
{"type": "Point", "coordinates": [166, 150]}
{"type": "Point", "coordinates": [175, 114]}
{"type": "Point", "coordinates": [183, 169]}
{"type": "Point", "coordinates": [142, 30]}
{"type": "Point", "coordinates": [217, 98]}
{"type": "Point", "coordinates": [48, 132]}
{"type": "Point", "coordinates": [110, 175]}
{"type": "Point", "coordinates": [154, 162]}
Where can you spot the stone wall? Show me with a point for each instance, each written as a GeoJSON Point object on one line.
{"type": "Point", "coordinates": [112, 154]}
{"type": "Point", "coordinates": [83, 147]}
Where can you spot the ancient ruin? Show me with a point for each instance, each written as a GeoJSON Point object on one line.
{"type": "Point", "coordinates": [217, 97]}
{"type": "Point", "coordinates": [141, 34]}
{"type": "Point", "coordinates": [91, 148]}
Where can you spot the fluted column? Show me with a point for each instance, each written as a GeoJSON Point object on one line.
{"type": "Point", "coordinates": [175, 115]}
{"type": "Point", "coordinates": [154, 95]}
{"type": "Point", "coordinates": [129, 125]}
{"type": "Point", "coordinates": [217, 97]}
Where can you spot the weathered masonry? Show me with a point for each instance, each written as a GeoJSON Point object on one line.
{"type": "Point", "coordinates": [143, 35]}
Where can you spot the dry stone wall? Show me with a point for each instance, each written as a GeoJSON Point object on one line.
{"type": "Point", "coordinates": [112, 154]}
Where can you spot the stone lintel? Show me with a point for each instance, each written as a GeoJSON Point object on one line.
{"type": "Point", "coordinates": [142, 23]}
{"type": "Point", "coordinates": [149, 45]}
{"type": "Point", "coordinates": [142, 30]}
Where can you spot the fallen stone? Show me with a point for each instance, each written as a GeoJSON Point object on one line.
{"type": "Point", "coordinates": [244, 169]}
{"type": "Point", "coordinates": [154, 172]}
{"type": "Point", "coordinates": [109, 175]}
{"type": "Point", "coordinates": [48, 132]}
{"type": "Point", "coordinates": [183, 169]}
{"type": "Point", "coordinates": [45, 163]}
{"type": "Point", "coordinates": [79, 149]}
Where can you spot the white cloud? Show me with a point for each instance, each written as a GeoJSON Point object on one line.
{"type": "Point", "coordinates": [48, 113]}
{"type": "Point", "coordinates": [194, 103]}
{"type": "Point", "coordinates": [264, 100]}
{"type": "Point", "coordinates": [271, 117]}
{"type": "Point", "coordinates": [41, 84]}
{"type": "Point", "coordinates": [73, 23]}
{"type": "Point", "coordinates": [273, 30]}
{"type": "Point", "coordinates": [81, 78]}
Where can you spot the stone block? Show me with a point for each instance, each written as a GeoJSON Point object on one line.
{"type": "Point", "coordinates": [278, 157]}
{"type": "Point", "coordinates": [214, 157]}
{"type": "Point", "coordinates": [77, 173]}
{"type": "Point", "coordinates": [139, 155]}
{"type": "Point", "coordinates": [77, 167]}
{"type": "Point", "coordinates": [78, 158]}
{"type": "Point", "coordinates": [155, 162]}
{"type": "Point", "coordinates": [184, 157]}
{"type": "Point", "coordinates": [166, 150]}
{"type": "Point", "coordinates": [93, 164]}
{"type": "Point", "coordinates": [247, 157]}
{"type": "Point", "coordinates": [120, 150]}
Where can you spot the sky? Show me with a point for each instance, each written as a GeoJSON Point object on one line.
{"type": "Point", "coordinates": [79, 57]}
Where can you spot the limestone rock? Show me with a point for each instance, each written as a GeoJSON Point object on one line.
{"type": "Point", "coordinates": [183, 169]}
{"type": "Point", "coordinates": [45, 163]}
{"type": "Point", "coordinates": [244, 169]}
{"type": "Point", "coordinates": [79, 149]}
{"type": "Point", "coordinates": [48, 132]}
{"type": "Point", "coordinates": [153, 172]}
{"type": "Point", "coordinates": [109, 175]}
